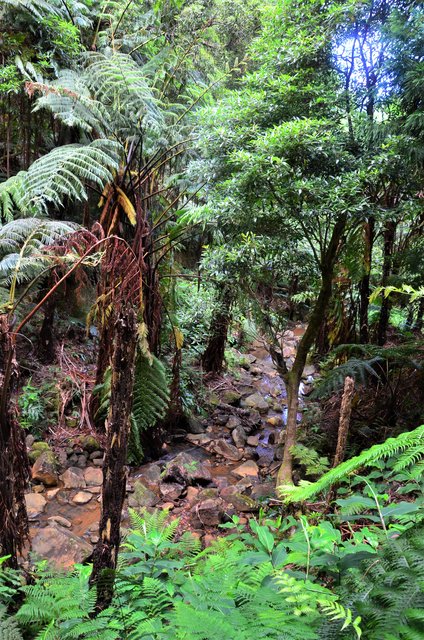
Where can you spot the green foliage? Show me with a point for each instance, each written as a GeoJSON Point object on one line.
{"type": "Point", "coordinates": [409, 445]}
{"type": "Point", "coordinates": [389, 592]}
{"type": "Point", "coordinates": [32, 407]}
{"type": "Point", "coordinates": [315, 465]}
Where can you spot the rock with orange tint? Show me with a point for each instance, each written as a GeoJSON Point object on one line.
{"type": "Point", "coordinates": [60, 547]}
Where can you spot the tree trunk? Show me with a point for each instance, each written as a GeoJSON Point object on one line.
{"type": "Point", "coordinates": [389, 240]}
{"type": "Point", "coordinates": [213, 356]}
{"type": "Point", "coordinates": [46, 344]}
{"type": "Point", "coordinates": [344, 420]}
{"type": "Point", "coordinates": [114, 469]}
{"type": "Point", "coordinates": [14, 466]}
{"type": "Point", "coordinates": [293, 378]}
{"type": "Point", "coordinates": [364, 285]}
{"type": "Point", "coordinates": [418, 324]}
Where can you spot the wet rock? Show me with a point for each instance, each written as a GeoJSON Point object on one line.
{"type": "Point", "coordinates": [35, 505]}
{"type": "Point", "coordinates": [142, 496]}
{"type": "Point", "coordinates": [208, 513]}
{"type": "Point", "coordinates": [61, 547]}
{"type": "Point", "coordinates": [184, 469]}
{"type": "Point", "coordinates": [221, 419]}
{"type": "Point", "coordinates": [89, 443]}
{"type": "Point", "coordinates": [150, 475]}
{"type": "Point", "coordinates": [258, 402]}
{"type": "Point", "coordinates": [93, 476]}
{"type": "Point", "coordinates": [81, 462]}
{"type": "Point", "coordinates": [226, 450]}
{"type": "Point", "coordinates": [52, 493]}
{"type": "Point", "coordinates": [192, 494]}
{"type": "Point", "coordinates": [96, 454]}
{"type": "Point", "coordinates": [241, 502]}
{"type": "Point", "coordinates": [248, 468]}
{"type": "Point", "coordinates": [233, 422]}
{"type": "Point", "coordinates": [62, 521]}
{"type": "Point", "coordinates": [253, 441]}
{"type": "Point", "coordinates": [239, 436]}
{"type": "Point", "coordinates": [82, 497]}
{"type": "Point", "coordinates": [231, 397]}
{"type": "Point", "coordinates": [171, 490]}
{"type": "Point", "coordinates": [194, 425]}
{"type": "Point", "coordinates": [73, 478]}
{"type": "Point", "coordinates": [198, 438]}
{"type": "Point", "coordinates": [29, 440]}
{"type": "Point", "coordinates": [275, 421]}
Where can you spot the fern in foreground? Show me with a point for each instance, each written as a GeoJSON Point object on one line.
{"type": "Point", "coordinates": [410, 445]}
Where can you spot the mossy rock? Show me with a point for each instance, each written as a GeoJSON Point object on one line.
{"type": "Point", "coordinates": [89, 443]}
{"type": "Point", "coordinates": [37, 449]}
{"type": "Point", "coordinates": [231, 397]}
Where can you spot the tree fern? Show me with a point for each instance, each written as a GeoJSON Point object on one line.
{"type": "Point", "coordinates": [404, 443]}
{"type": "Point", "coordinates": [60, 174]}
{"type": "Point", "coordinates": [151, 397]}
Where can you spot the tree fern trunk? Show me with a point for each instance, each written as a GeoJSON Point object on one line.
{"type": "Point", "coordinates": [114, 469]}
{"type": "Point", "coordinates": [14, 466]}
{"type": "Point", "coordinates": [344, 420]}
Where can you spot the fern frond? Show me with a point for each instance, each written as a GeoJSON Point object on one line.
{"type": "Point", "coordinates": [393, 446]}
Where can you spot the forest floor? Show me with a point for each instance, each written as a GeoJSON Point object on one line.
{"type": "Point", "coordinates": [226, 466]}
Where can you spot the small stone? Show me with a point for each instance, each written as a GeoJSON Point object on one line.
{"type": "Point", "coordinates": [89, 443]}
{"type": "Point", "coordinates": [275, 421]}
{"type": "Point", "coordinates": [82, 462]}
{"type": "Point", "coordinates": [171, 490]}
{"type": "Point", "coordinates": [226, 450]}
{"type": "Point", "coordinates": [62, 521]}
{"type": "Point", "coordinates": [198, 438]}
{"type": "Point", "coordinates": [265, 490]}
{"type": "Point", "coordinates": [93, 476]}
{"type": "Point", "coordinates": [94, 539]}
{"type": "Point", "coordinates": [94, 490]}
{"type": "Point", "coordinates": [96, 454]}
{"type": "Point", "coordinates": [239, 436]}
{"type": "Point", "coordinates": [253, 441]}
{"type": "Point", "coordinates": [233, 423]}
{"type": "Point", "coordinates": [98, 462]}
{"type": "Point", "coordinates": [192, 494]}
{"type": "Point", "coordinates": [221, 419]}
{"type": "Point", "coordinates": [73, 478]}
{"type": "Point", "coordinates": [37, 449]}
{"type": "Point", "coordinates": [208, 539]}
{"type": "Point", "coordinates": [244, 483]}
{"type": "Point", "coordinates": [39, 488]}
{"type": "Point", "coordinates": [248, 468]}
{"type": "Point", "coordinates": [167, 506]}
{"type": "Point", "coordinates": [35, 505]}
{"type": "Point", "coordinates": [29, 440]}
{"type": "Point", "coordinates": [309, 370]}
{"type": "Point", "coordinates": [82, 497]}
{"type": "Point", "coordinates": [241, 502]}
{"type": "Point", "coordinates": [184, 469]}
{"type": "Point", "coordinates": [52, 493]}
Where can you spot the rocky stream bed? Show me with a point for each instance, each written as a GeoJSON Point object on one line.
{"type": "Point", "coordinates": [226, 465]}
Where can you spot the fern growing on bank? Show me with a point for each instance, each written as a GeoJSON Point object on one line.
{"type": "Point", "coordinates": [409, 446]}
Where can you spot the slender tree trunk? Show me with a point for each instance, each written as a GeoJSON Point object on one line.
{"type": "Point", "coordinates": [213, 356]}
{"type": "Point", "coordinates": [364, 285]}
{"type": "Point", "coordinates": [46, 341]}
{"type": "Point", "coordinates": [114, 469]}
{"type": "Point", "coordinates": [14, 467]}
{"type": "Point", "coordinates": [418, 324]}
{"type": "Point", "coordinates": [344, 420]}
{"type": "Point", "coordinates": [389, 240]}
{"type": "Point", "coordinates": [293, 378]}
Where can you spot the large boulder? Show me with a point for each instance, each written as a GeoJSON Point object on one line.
{"type": "Point", "coordinates": [44, 469]}
{"type": "Point", "coordinates": [61, 547]}
{"type": "Point", "coordinates": [186, 470]}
